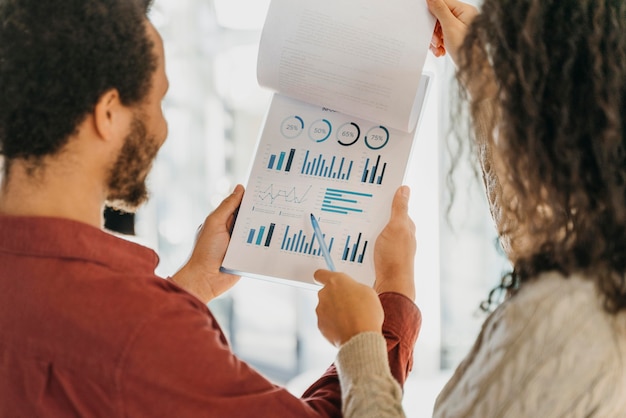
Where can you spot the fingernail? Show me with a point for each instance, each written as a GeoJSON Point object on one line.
{"type": "Point", "coordinates": [405, 191]}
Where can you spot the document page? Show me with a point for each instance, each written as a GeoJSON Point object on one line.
{"type": "Point", "coordinates": [359, 57]}
{"type": "Point", "coordinates": [312, 160]}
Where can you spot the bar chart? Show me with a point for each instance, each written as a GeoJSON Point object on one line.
{"type": "Point", "coordinates": [260, 238]}
{"type": "Point", "coordinates": [298, 241]}
{"type": "Point", "coordinates": [338, 168]}
{"type": "Point", "coordinates": [373, 173]}
{"type": "Point", "coordinates": [344, 202]}
{"type": "Point", "coordinates": [281, 161]}
{"type": "Point", "coordinates": [354, 252]}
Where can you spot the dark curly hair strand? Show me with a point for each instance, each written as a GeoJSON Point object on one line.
{"type": "Point", "coordinates": [57, 57]}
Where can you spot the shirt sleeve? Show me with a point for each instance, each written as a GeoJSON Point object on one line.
{"type": "Point", "coordinates": [179, 365]}
{"type": "Point", "coordinates": [401, 327]}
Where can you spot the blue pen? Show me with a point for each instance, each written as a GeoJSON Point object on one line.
{"type": "Point", "coordinates": [320, 238]}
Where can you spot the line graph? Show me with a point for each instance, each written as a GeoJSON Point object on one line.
{"type": "Point", "coordinates": [280, 194]}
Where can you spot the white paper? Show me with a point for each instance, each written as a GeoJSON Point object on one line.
{"type": "Point", "coordinates": [344, 170]}
{"type": "Point", "coordinates": [359, 57]}
{"type": "Point", "coordinates": [337, 136]}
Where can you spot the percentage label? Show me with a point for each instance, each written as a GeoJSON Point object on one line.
{"type": "Point", "coordinates": [292, 127]}
{"type": "Point", "coordinates": [320, 130]}
{"type": "Point", "coordinates": [377, 137]}
{"type": "Point", "coordinates": [348, 134]}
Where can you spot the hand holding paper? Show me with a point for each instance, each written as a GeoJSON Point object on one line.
{"type": "Point", "coordinates": [337, 137]}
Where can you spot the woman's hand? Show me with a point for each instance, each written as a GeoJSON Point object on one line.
{"type": "Point", "coordinates": [453, 18]}
{"type": "Point", "coordinates": [346, 307]}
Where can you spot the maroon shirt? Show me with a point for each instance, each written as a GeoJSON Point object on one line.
{"type": "Point", "coordinates": [87, 329]}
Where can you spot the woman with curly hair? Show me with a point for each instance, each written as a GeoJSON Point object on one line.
{"type": "Point", "coordinates": [545, 82]}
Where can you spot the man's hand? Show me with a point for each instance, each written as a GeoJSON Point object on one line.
{"type": "Point", "coordinates": [453, 18]}
{"type": "Point", "coordinates": [346, 307]}
{"type": "Point", "coordinates": [394, 252]}
{"type": "Point", "coordinates": [201, 275]}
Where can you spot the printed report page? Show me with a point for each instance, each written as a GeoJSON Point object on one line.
{"type": "Point", "coordinates": [311, 160]}
{"type": "Point", "coordinates": [359, 57]}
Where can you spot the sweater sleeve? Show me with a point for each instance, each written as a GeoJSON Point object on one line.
{"type": "Point", "coordinates": [367, 385]}
{"type": "Point", "coordinates": [370, 380]}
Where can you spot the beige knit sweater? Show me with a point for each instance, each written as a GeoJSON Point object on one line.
{"type": "Point", "coordinates": [550, 351]}
{"type": "Point", "coordinates": [367, 387]}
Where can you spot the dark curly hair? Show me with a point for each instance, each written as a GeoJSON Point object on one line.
{"type": "Point", "coordinates": [546, 86]}
{"type": "Point", "coordinates": [57, 57]}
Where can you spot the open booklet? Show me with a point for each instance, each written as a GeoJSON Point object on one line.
{"type": "Point", "coordinates": [337, 136]}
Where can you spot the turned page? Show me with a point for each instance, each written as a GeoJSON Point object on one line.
{"type": "Point", "coordinates": [359, 57]}
{"type": "Point", "coordinates": [337, 136]}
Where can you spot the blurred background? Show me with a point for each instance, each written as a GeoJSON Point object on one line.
{"type": "Point", "coordinates": [215, 110]}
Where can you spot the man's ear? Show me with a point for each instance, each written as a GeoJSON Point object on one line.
{"type": "Point", "coordinates": [111, 116]}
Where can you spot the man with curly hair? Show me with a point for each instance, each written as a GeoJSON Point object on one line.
{"type": "Point", "coordinates": [86, 328]}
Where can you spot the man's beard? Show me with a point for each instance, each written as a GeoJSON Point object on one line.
{"type": "Point", "coordinates": [127, 177]}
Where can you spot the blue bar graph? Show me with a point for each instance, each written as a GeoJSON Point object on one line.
{"type": "Point", "coordinates": [300, 242]}
{"type": "Point", "coordinates": [259, 238]}
{"type": "Point", "coordinates": [344, 202]}
{"type": "Point", "coordinates": [373, 174]}
{"type": "Point", "coordinates": [277, 161]}
{"type": "Point", "coordinates": [351, 253]}
{"type": "Point", "coordinates": [320, 166]}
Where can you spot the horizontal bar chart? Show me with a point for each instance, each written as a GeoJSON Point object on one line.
{"type": "Point", "coordinates": [344, 202]}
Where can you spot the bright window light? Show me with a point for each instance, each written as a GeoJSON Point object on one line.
{"type": "Point", "coordinates": [241, 14]}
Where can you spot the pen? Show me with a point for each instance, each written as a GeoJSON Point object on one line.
{"type": "Point", "coordinates": [324, 248]}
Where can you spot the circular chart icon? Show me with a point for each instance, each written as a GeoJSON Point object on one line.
{"type": "Point", "coordinates": [320, 130]}
{"type": "Point", "coordinates": [292, 127]}
{"type": "Point", "coordinates": [377, 137]}
{"type": "Point", "coordinates": [348, 134]}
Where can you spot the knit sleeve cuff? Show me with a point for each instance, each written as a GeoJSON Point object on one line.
{"type": "Point", "coordinates": [364, 355]}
